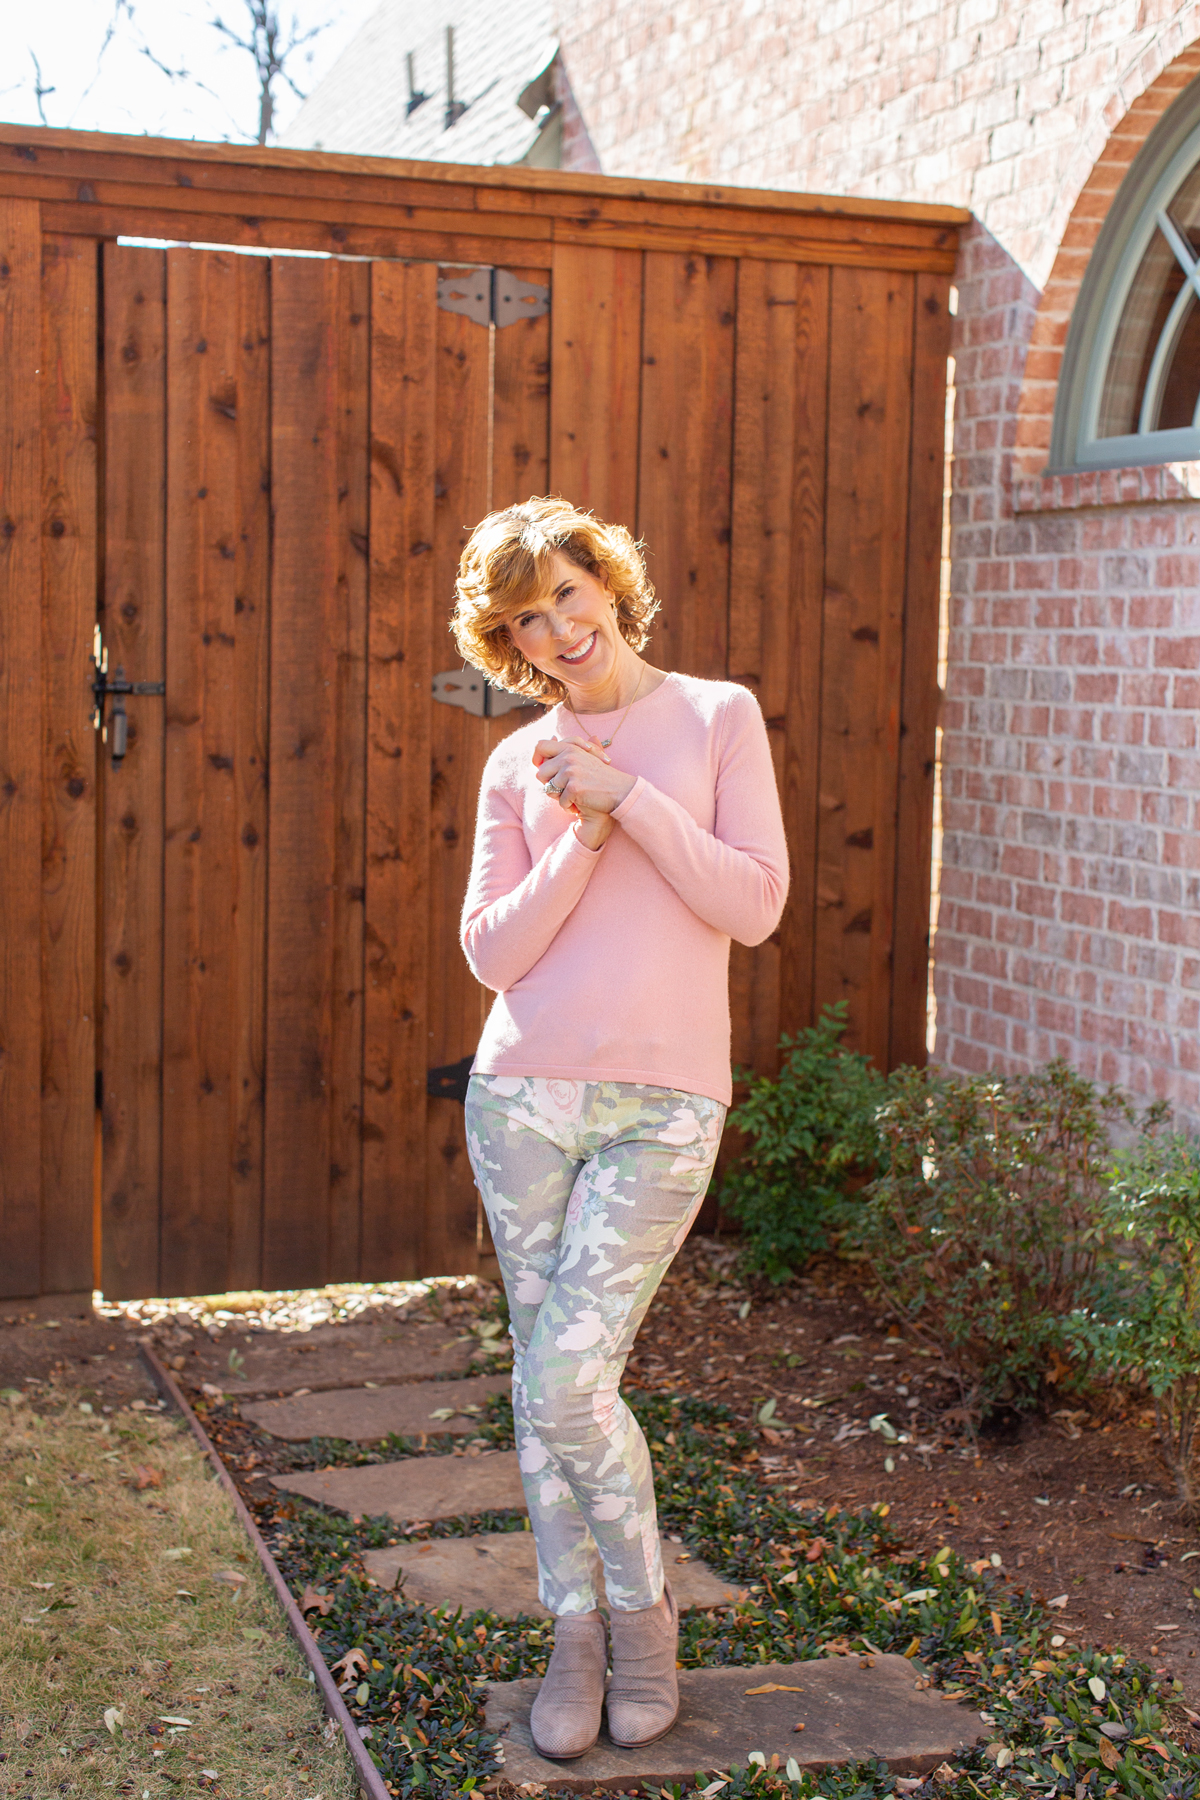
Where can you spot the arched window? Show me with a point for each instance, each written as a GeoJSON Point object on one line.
{"type": "Point", "coordinates": [1129, 391]}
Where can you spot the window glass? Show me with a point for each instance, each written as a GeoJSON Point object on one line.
{"type": "Point", "coordinates": [1153, 378]}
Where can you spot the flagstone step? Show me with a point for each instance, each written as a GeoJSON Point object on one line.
{"type": "Point", "coordinates": [416, 1487]}
{"type": "Point", "coordinates": [497, 1572]}
{"type": "Point", "coordinates": [365, 1414]}
{"type": "Point", "coordinates": [852, 1708]}
{"type": "Point", "coordinates": [334, 1356]}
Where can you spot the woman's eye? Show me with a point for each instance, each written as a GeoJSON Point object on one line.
{"type": "Point", "coordinates": [526, 620]}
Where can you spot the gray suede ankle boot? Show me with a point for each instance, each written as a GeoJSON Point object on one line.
{"type": "Point", "coordinates": [565, 1720]}
{"type": "Point", "coordinates": [643, 1695]}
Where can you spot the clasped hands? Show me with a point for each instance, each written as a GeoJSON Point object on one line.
{"type": "Point", "coordinates": [578, 773]}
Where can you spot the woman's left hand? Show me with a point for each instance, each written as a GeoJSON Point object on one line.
{"type": "Point", "coordinates": [580, 776]}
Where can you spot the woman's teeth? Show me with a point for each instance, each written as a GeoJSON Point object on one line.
{"type": "Point", "coordinates": [578, 655]}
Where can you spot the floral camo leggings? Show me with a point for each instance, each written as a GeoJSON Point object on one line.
{"type": "Point", "coordinates": [589, 1188]}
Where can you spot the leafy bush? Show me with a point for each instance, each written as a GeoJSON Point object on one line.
{"type": "Point", "coordinates": [810, 1132]}
{"type": "Point", "coordinates": [983, 1230]}
{"type": "Point", "coordinates": [1147, 1320]}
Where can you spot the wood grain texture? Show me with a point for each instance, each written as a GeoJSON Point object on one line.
{"type": "Point", "coordinates": [865, 559]}
{"type": "Point", "coordinates": [919, 694]}
{"type": "Point", "coordinates": [301, 830]}
{"type": "Point", "coordinates": [349, 891]}
{"type": "Point", "coordinates": [596, 331]}
{"type": "Point", "coordinates": [70, 269]}
{"type": "Point", "coordinates": [20, 749]}
{"type": "Point", "coordinates": [200, 997]}
{"type": "Point", "coordinates": [134, 622]}
{"type": "Point", "coordinates": [685, 470]}
{"type": "Point", "coordinates": [521, 406]}
{"type": "Point", "coordinates": [252, 620]}
{"type": "Point", "coordinates": [760, 596]}
{"type": "Point", "coordinates": [188, 165]}
{"type": "Point", "coordinates": [800, 785]}
{"type": "Point", "coordinates": [404, 324]}
{"type": "Point", "coordinates": [458, 750]}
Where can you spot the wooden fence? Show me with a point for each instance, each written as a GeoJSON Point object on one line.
{"type": "Point", "coordinates": [255, 473]}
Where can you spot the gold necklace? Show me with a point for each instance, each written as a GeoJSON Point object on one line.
{"type": "Point", "coordinates": [605, 742]}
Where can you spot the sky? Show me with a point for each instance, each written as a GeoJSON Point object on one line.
{"type": "Point", "coordinates": [165, 68]}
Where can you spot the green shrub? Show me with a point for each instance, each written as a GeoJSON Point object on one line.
{"type": "Point", "coordinates": [810, 1132]}
{"type": "Point", "coordinates": [1147, 1320]}
{"type": "Point", "coordinates": [982, 1232]}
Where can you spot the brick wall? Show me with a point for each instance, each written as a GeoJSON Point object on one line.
{"type": "Point", "coordinates": [1069, 913]}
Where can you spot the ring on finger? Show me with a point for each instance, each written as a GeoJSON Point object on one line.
{"type": "Point", "coordinates": [551, 789]}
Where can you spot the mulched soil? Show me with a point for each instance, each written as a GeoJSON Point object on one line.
{"type": "Point", "coordinates": [1077, 1501]}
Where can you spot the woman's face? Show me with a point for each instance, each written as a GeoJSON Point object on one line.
{"type": "Point", "coordinates": [571, 633]}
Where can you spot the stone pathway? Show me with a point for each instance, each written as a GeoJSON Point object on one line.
{"type": "Point", "coordinates": [336, 1356]}
{"type": "Point", "coordinates": [366, 1414]}
{"type": "Point", "coordinates": [497, 1573]}
{"type": "Point", "coordinates": [363, 1383]}
{"type": "Point", "coordinates": [851, 1708]}
{"type": "Point", "coordinates": [416, 1487]}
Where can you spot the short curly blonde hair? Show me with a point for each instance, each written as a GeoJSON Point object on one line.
{"type": "Point", "coordinates": [506, 565]}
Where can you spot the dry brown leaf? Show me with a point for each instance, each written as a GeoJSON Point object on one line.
{"type": "Point", "coordinates": [775, 1687]}
{"type": "Point", "coordinates": [353, 1664]}
{"type": "Point", "coordinates": [146, 1476]}
{"type": "Point", "coordinates": [1110, 1756]}
{"type": "Point", "coordinates": [816, 1550]}
{"type": "Point", "coordinates": [311, 1601]}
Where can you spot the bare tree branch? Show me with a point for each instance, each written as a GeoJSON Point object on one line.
{"type": "Point", "coordinates": [119, 7]}
{"type": "Point", "coordinates": [40, 90]}
{"type": "Point", "coordinates": [271, 43]}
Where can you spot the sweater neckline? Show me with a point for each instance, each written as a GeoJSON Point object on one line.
{"type": "Point", "coordinates": [642, 701]}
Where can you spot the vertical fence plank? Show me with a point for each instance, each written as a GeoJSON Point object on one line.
{"type": "Point", "coordinates": [301, 843]}
{"type": "Point", "coordinates": [760, 599]}
{"type": "Point", "coordinates": [132, 795]}
{"type": "Point", "coordinates": [399, 673]}
{"type": "Point", "coordinates": [918, 700]}
{"type": "Point", "coordinates": [596, 331]}
{"type": "Point", "coordinates": [252, 618]}
{"type": "Point", "coordinates": [802, 730]}
{"type": "Point", "coordinates": [69, 572]}
{"type": "Point", "coordinates": [354, 374]}
{"type": "Point", "coordinates": [521, 406]}
{"type": "Point", "coordinates": [200, 779]}
{"type": "Point", "coordinates": [870, 401]}
{"type": "Point", "coordinates": [686, 455]}
{"type": "Point", "coordinates": [20, 748]}
{"type": "Point", "coordinates": [457, 753]}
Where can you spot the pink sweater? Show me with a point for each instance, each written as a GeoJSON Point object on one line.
{"type": "Point", "coordinates": [613, 964]}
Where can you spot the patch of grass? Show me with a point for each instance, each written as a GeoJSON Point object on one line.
{"type": "Point", "coordinates": [816, 1582]}
{"type": "Point", "coordinates": [141, 1605]}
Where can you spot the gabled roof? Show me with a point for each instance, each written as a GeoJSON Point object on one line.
{"type": "Point", "coordinates": [361, 106]}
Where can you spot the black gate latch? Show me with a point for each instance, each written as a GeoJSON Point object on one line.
{"type": "Point", "coordinates": [450, 1082]}
{"type": "Point", "coordinates": [118, 687]}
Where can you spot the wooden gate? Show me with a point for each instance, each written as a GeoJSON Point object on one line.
{"type": "Point", "coordinates": [255, 472]}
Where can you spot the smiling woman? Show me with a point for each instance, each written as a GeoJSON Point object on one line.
{"type": "Point", "coordinates": [622, 841]}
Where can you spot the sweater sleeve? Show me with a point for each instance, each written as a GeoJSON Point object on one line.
{"type": "Point", "coordinates": [514, 907]}
{"type": "Point", "coordinates": [735, 877]}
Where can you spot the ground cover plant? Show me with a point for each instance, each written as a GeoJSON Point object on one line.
{"type": "Point", "coordinates": [983, 1232]}
{"type": "Point", "coordinates": [1060, 1720]}
{"type": "Point", "coordinates": [810, 1134]}
{"type": "Point", "coordinates": [144, 1651]}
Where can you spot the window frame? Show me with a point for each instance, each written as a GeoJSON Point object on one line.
{"type": "Point", "coordinates": [1166, 159]}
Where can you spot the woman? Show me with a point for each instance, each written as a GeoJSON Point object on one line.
{"type": "Point", "coordinates": [622, 840]}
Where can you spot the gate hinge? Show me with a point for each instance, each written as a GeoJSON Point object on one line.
{"type": "Point", "coordinates": [492, 296]}
{"type": "Point", "coordinates": [468, 689]}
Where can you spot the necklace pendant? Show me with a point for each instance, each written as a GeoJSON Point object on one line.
{"type": "Point", "coordinates": [605, 742]}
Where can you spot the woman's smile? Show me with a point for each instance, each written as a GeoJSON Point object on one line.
{"type": "Point", "coordinates": [580, 655]}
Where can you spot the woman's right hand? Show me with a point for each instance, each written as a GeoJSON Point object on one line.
{"type": "Point", "coordinates": [579, 775]}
